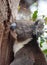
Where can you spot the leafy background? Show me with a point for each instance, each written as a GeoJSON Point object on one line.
{"type": "Point", "coordinates": [39, 10]}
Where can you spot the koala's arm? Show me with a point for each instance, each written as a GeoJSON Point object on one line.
{"type": "Point", "coordinates": [23, 61]}
{"type": "Point", "coordinates": [23, 57]}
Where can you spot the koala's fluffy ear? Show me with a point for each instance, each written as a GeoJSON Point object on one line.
{"type": "Point", "coordinates": [38, 27]}
{"type": "Point", "coordinates": [13, 26]}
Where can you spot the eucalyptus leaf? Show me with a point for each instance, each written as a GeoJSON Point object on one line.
{"type": "Point", "coordinates": [45, 20]}
{"type": "Point", "coordinates": [45, 51]}
{"type": "Point", "coordinates": [41, 41]}
{"type": "Point", "coordinates": [34, 16]}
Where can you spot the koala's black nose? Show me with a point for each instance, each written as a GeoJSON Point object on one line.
{"type": "Point", "coordinates": [13, 26]}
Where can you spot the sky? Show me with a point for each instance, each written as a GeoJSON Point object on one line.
{"type": "Point", "coordinates": [42, 7]}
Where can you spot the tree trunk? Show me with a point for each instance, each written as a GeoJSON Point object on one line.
{"type": "Point", "coordinates": [8, 8]}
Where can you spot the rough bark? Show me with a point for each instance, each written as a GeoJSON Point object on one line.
{"type": "Point", "coordinates": [6, 41]}
{"type": "Point", "coordinates": [14, 7]}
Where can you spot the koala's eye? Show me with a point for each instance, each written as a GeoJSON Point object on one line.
{"type": "Point", "coordinates": [13, 26]}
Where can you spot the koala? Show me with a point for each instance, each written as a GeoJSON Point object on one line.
{"type": "Point", "coordinates": [26, 49]}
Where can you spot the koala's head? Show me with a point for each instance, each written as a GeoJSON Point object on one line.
{"type": "Point", "coordinates": [24, 30]}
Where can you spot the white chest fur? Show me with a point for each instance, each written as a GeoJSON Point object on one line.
{"type": "Point", "coordinates": [18, 45]}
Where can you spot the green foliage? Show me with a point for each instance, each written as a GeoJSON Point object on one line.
{"type": "Point", "coordinates": [45, 20]}
{"type": "Point", "coordinates": [41, 41]}
{"type": "Point", "coordinates": [45, 51]}
{"type": "Point", "coordinates": [34, 16]}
